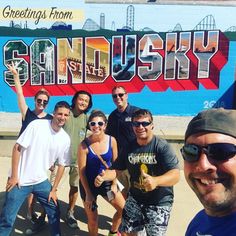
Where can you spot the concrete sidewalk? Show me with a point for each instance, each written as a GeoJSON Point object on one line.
{"type": "Point", "coordinates": [185, 207]}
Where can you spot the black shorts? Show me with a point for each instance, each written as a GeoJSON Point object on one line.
{"type": "Point", "coordinates": [102, 190]}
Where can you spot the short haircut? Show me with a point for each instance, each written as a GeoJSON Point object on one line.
{"type": "Point", "coordinates": [76, 95]}
{"type": "Point", "coordinates": [118, 87]}
{"type": "Point", "coordinates": [61, 104]}
{"type": "Point", "coordinates": [42, 91]}
{"type": "Point", "coordinates": [142, 113]}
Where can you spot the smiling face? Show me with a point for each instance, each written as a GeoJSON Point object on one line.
{"type": "Point", "coordinates": [82, 102]}
{"type": "Point", "coordinates": [97, 125]}
{"type": "Point", "coordinates": [214, 182]}
{"type": "Point", "coordinates": [143, 129]}
{"type": "Point", "coordinates": [60, 116]}
{"type": "Point", "coordinates": [41, 102]}
{"type": "Point", "coordinates": [120, 98]}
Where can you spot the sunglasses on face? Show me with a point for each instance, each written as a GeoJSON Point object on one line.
{"type": "Point", "coordinates": [40, 101]}
{"type": "Point", "coordinates": [99, 123]}
{"type": "Point", "coordinates": [143, 123]}
{"type": "Point", "coordinates": [215, 151]}
{"type": "Point", "coordinates": [118, 95]}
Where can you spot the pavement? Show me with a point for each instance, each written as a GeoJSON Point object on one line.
{"type": "Point", "coordinates": [185, 206]}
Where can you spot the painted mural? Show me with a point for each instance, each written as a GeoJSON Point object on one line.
{"type": "Point", "coordinates": [172, 60]}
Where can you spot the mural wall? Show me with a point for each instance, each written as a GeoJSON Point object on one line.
{"type": "Point", "coordinates": [172, 60]}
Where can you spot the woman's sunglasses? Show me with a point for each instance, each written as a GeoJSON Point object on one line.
{"type": "Point", "coordinates": [40, 101]}
{"type": "Point", "coordinates": [215, 151]}
{"type": "Point", "coordinates": [118, 95]}
{"type": "Point", "coordinates": [99, 123]}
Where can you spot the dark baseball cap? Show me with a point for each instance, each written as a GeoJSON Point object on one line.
{"type": "Point", "coordinates": [215, 120]}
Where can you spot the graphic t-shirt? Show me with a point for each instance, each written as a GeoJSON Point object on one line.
{"type": "Point", "coordinates": [155, 158]}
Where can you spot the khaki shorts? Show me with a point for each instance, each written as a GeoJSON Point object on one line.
{"type": "Point", "coordinates": [124, 179]}
{"type": "Point", "coordinates": [74, 176]}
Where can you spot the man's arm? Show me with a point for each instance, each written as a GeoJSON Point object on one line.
{"type": "Point", "coordinates": [59, 174]}
{"type": "Point", "coordinates": [13, 180]}
{"type": "Point", "coordinates": [168, 179]}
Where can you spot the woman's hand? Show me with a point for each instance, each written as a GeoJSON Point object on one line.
{"type": "Point", "coordinates": [89, 201]}
{"type": "Point", "coordinates": [114, 188]}
{"type": "Point", "coordinates": [99, 179]}
{"type": "Point", "coordinates": [12, 68]}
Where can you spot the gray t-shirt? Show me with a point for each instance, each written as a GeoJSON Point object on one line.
{"type": "Point", "coordinates": [155, 158]}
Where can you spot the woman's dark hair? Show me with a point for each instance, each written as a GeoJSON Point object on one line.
{"type": "Point", "coordinates": [96, 113]}
{"type": "Point", "coordinates": [76, 96]}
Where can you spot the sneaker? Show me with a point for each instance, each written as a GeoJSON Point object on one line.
{"type": "Point", "coordinates": [71, 221]}
{"type": "Point", "coordinates": [142, 233]}
{"type": "Point", "coordinates": [37, 226]}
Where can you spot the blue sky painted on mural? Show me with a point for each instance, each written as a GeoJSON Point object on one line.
{"type": "Point", "coordinates": [160, 18]}
{"type": "Point", "coordinates": [157, 17]}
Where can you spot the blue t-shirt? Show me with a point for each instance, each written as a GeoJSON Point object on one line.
{"type": "Point", "coordinates": [205, 225]}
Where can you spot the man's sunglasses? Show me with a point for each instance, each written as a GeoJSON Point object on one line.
{"type": "Point", "coordinates": [99, 123]}
{"type": "Point", "coordinates": [143, 123]}
{"type": "Point", "coordinates": [39, 101]}
{"type": "Point", "coordinates": [118, 95]}
{"type": "Point", "coordinates": [215, 151]}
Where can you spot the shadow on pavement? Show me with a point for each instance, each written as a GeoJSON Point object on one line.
{"type": "Point", "coordinates": [21, 223]}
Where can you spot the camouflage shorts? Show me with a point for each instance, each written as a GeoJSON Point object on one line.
{"type": "Point", "coordinates": [136, 217]}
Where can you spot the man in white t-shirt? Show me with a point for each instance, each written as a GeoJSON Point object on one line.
{"type": "Point", "coordinates": [39, 146]}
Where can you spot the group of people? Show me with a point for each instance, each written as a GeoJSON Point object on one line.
{"type": "Point", "coordinates": [102, 153]}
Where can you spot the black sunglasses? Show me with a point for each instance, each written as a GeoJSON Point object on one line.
{"type": "Point", "coordinates": [216, 151]}
{"type": "Point", "coordinates": [143, 123]}
{"type": "Point", "coordinates": [118, 95]}
{"type": "Point", "coordinates": [99, 123]}
{"type": "Point", "coordinates": [45, 102]}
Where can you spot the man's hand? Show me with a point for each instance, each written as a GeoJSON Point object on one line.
{"type": "Point", "coordinates": [99, 179]}
{"type": "Point", "coordinates": [53, 196]}
{"type": "Point", "coordinates": [149, 182]}
{"type": "Point", "coordinates": [11, 183]}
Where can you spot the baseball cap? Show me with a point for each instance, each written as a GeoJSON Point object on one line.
{"type": "Point", "coordinates": [215, 120]}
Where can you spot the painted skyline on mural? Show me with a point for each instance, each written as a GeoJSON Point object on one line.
{"type": "Point", "coordinates": [159, 18]}
{"type": "Point", "coordinates": [201, 2]}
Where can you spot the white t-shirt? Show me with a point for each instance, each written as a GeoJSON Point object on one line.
{"type": "Point", "coordinates": [41, 147]}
